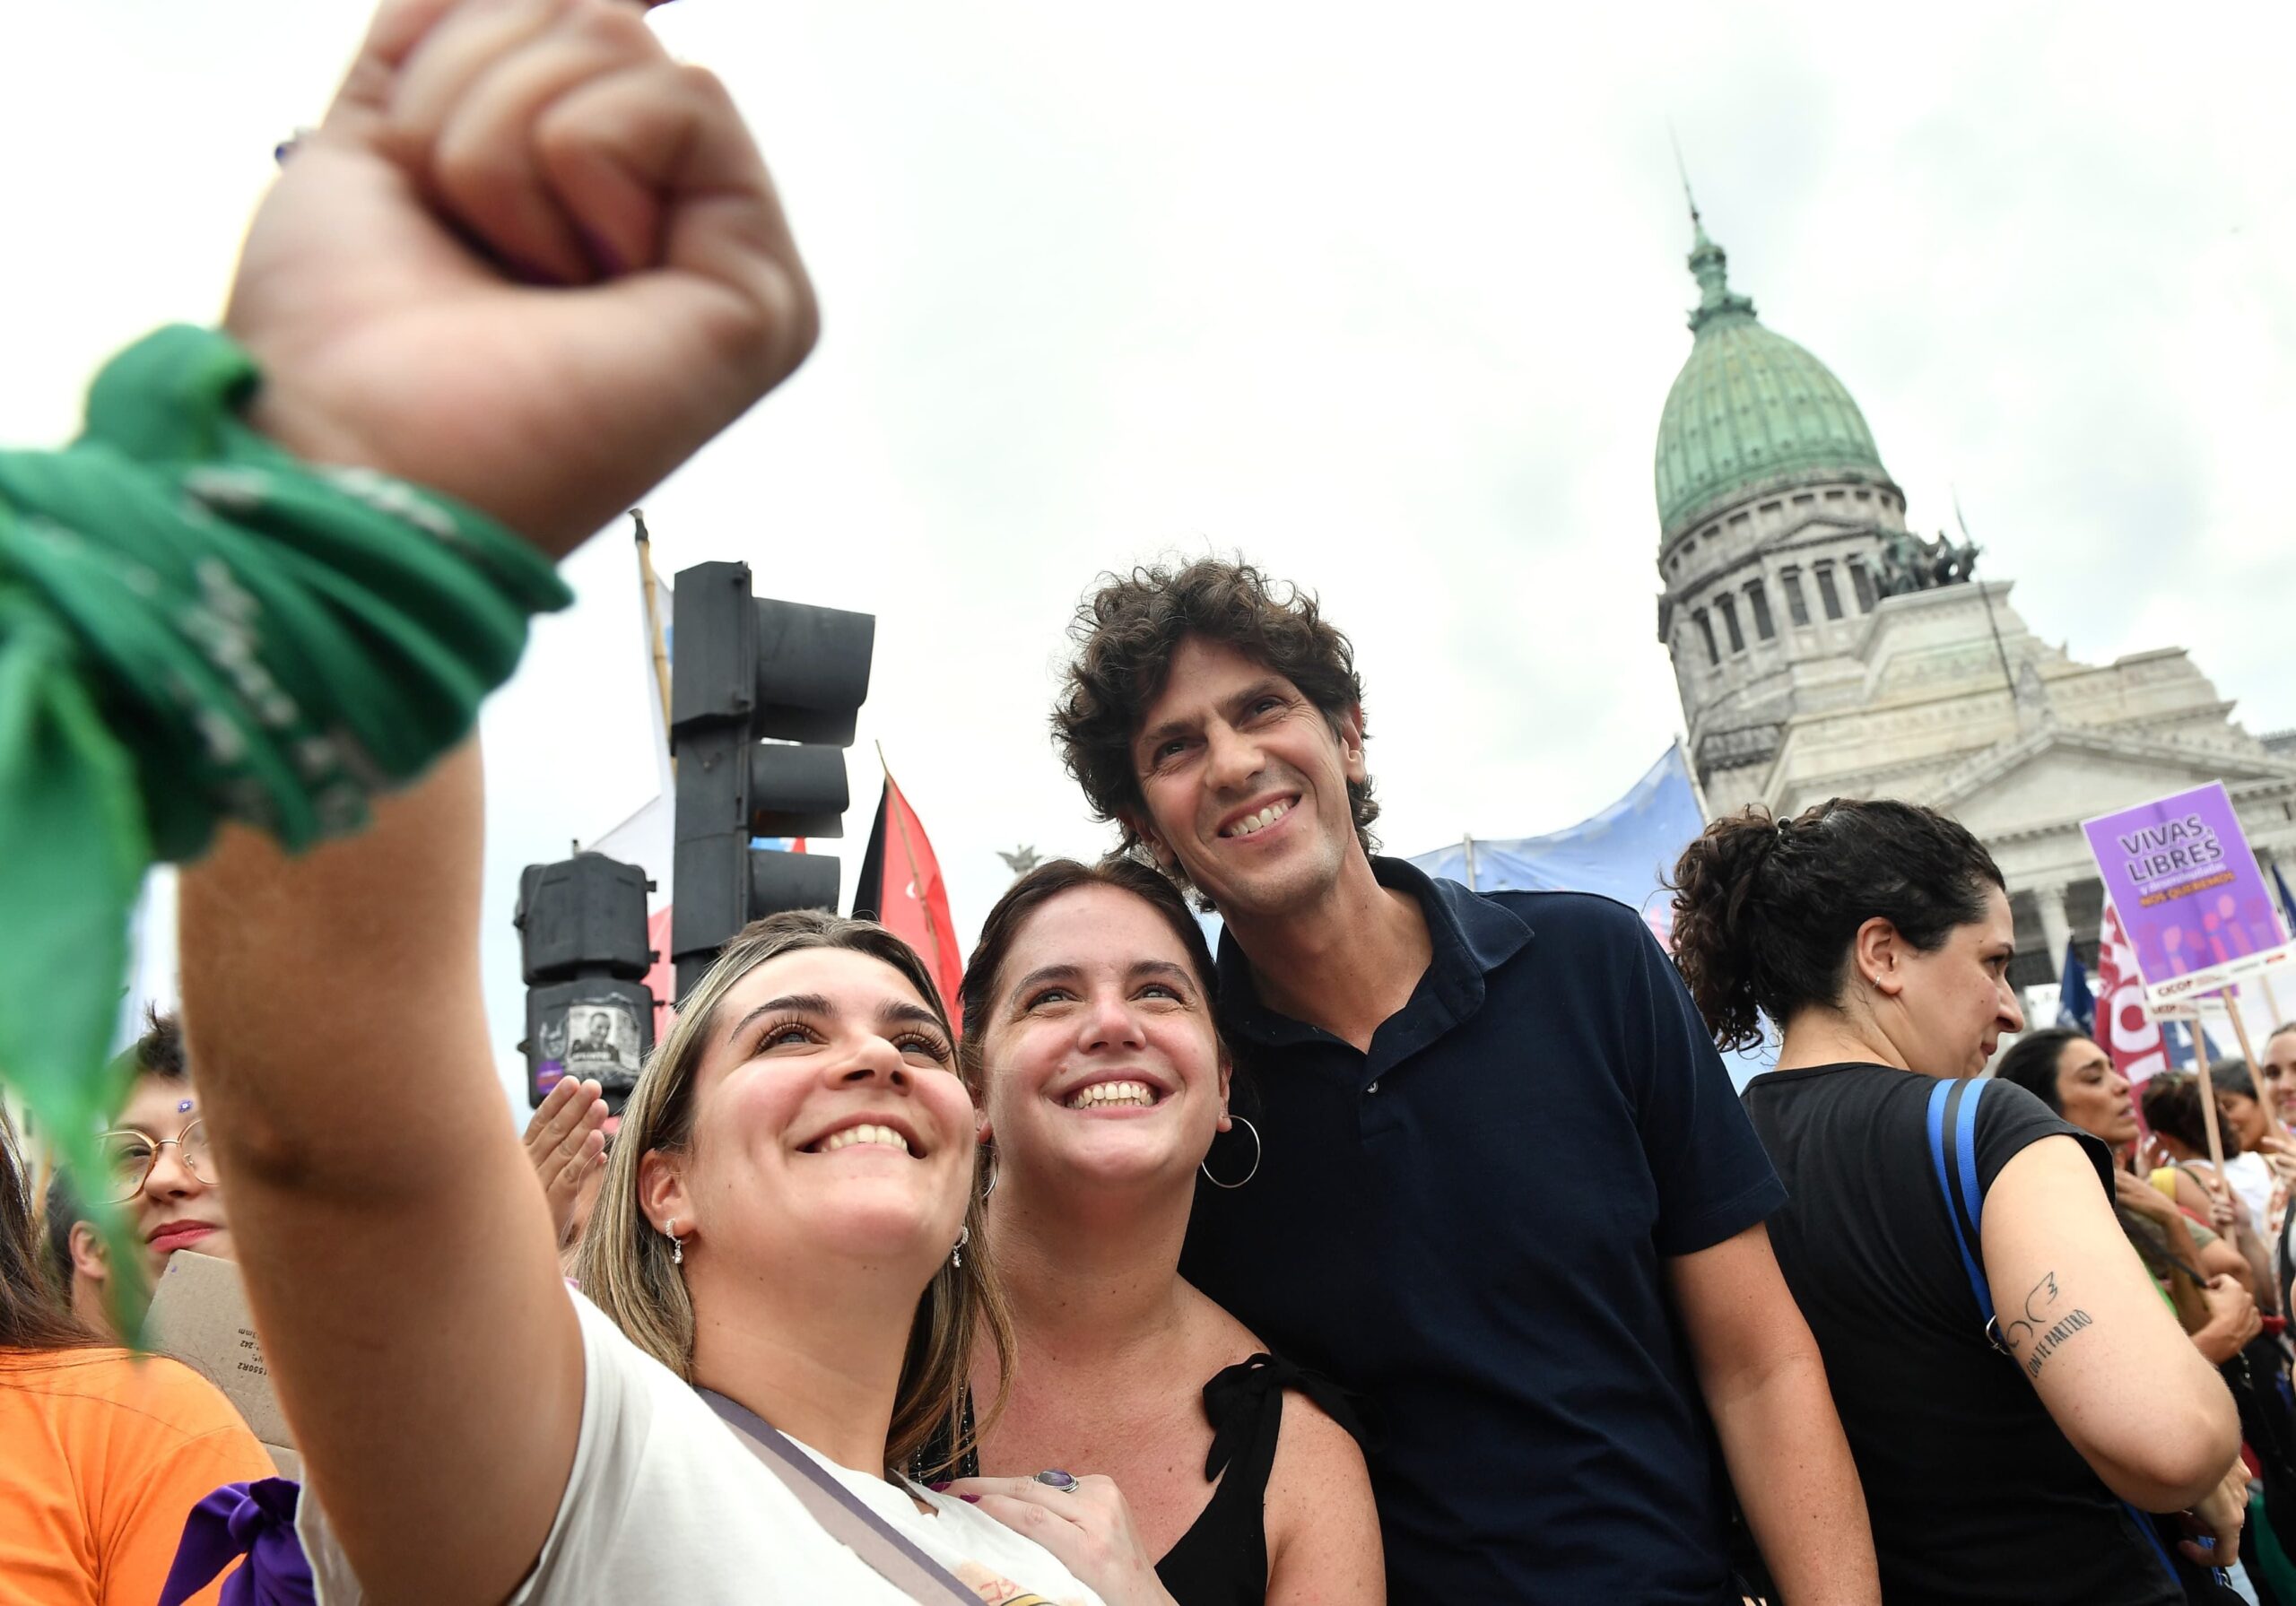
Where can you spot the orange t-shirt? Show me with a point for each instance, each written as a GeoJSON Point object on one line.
{"type": "Point", "coordinates": [106, 1455]}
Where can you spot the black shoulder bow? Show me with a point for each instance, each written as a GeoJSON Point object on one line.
{"type": "Point", "coordinates": [1235, 1396]}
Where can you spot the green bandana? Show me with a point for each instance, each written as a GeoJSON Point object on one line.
{"type": "Point", "coordinates": [196, 626]}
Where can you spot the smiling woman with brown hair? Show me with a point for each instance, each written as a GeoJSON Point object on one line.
{"type": "Point", "coordinates": [1104, 1088]}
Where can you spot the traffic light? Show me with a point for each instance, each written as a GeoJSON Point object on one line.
{"type": "Point", "coordinates": [763, 700]}
{"type": "Point", "coordinates": [582, 947]}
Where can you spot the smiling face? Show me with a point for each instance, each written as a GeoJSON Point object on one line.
{"type": "Point", "coordinates": [1102, 1066]}
{"type": "Point", "coordinates": [2278, 1063]}
{"type": "Point", "coordinates": [2244, 1116]}
{"type": "Point", "coordinates": [828, 1121]}
{"type": "Point", "coordinates": [2093, 1096]}
{"type": "Point", "coordinates": [1245, 782]}
{"type": "Point", "coordinates": [1953, 1004]}
{"type": "Point", "coordinates": [178, 1206]}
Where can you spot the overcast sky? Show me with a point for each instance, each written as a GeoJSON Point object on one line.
{"type": "Point", "coordinates": [1387, 299]}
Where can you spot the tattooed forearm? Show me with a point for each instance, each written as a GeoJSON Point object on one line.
{"type": "Point", "coordinates": [2044, 1327]}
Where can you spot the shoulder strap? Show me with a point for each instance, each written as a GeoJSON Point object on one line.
{"type": "Point", "coordinates": [1953, 1152]}
{"type": "Point", "coordinates": [843, 1514]}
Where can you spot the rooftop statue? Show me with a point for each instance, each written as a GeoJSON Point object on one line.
{"type": "Point", "coordinates": [1910, 563]}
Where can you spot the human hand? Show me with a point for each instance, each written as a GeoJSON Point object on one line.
{"type": "Point", "coordinates": [2232, 1320]}
{"type": "Point", "coordinates": [2219, 1516]}
{"type": "Point", "coordinates": [566, 1143]}
{"type": "Point", "coordinates": [528, 260]}
{"type": "Point", "coordinates": [2141, 1198]}
{"type": "Point", "coordinates": [2224, 1210]}
{"type": "Point", "coordinates": [1089, 1530]}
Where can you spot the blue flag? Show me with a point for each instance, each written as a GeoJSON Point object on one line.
{"type": "Point", "coordinates": [2076, 1006]}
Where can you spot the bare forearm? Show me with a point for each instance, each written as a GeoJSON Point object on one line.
{"type": "Point", "coordinates": [344, 980]}
{"type": "Point", "coordinates": [2184, 1292]}
{"type": "Point", "coordinates": [1797, 1484]}
{"type": "Point", "coordinates": [2259, 1261]}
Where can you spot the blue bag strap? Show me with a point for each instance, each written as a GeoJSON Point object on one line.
{"type": "Point", "coordinates": [1953, 1154]}
{"type": "Point", "coordinates": [1953, 1110]}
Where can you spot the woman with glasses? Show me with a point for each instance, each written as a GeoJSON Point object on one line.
{"type": "Point", "coordinates": [106, 1453]}
{"type": "Point", "coordinates": [157, 1168]}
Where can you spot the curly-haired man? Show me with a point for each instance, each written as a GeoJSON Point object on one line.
{"type": "Point", "coordinates": [1503, 1186]}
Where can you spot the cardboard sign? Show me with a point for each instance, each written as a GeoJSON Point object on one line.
{"type": "Point", "coordinates": [2189, 893]}
{"type": "Point", "coordinates": [199, 1315]}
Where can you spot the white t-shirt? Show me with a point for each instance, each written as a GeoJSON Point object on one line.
{"type": "Point", "coordinates": [665, 1504]}
{"type": "Point", "coordinates": [2250, 1176]}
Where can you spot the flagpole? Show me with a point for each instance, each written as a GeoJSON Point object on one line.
{"type": "Point", "coordinates": [655, 641]}
{"type": "Point", "coordinates": [2229, 998]}
{"type": "Point", "coordinates": [916, 879]}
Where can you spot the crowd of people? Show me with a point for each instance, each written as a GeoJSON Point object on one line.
{"type": "Point", "coordinates": [1415, 1243]}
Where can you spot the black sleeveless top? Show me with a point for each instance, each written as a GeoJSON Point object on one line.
{"type": "Point", "coordinates": [1221, 1560]}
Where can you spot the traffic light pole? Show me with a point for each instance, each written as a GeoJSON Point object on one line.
{"type": "Point", "coordinates": [764, 697]}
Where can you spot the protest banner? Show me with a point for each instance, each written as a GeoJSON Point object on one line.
{"type": "Point", "coordinates": [2190, 894]}
{"type": "Point", "coordinates": [2196, 909]}
{"type": "Point", "coordinates": [2128, 1031]}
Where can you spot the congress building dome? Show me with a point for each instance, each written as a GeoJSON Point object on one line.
{"type": "Point", "coordinates": [1750, 411]}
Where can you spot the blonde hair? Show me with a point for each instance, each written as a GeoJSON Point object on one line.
{"type": "Point", "coordinates": [624, 1265]}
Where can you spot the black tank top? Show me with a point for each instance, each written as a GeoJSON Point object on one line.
{"type": "Point", "coordinates": [1221, 1560]}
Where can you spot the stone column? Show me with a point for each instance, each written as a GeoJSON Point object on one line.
{"type": "Point", "coordinates": [2056, 930]}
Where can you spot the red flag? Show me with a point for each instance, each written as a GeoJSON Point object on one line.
{"type": "Point", "coordinates": [662, 980]}
{"type": "Point", "coordinates": [900, 888]}
{"type": "Point", "coordinates": [2124, 1026]}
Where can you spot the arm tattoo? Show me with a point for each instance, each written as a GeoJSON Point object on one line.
{"type": "Point", "coordinates": [2043, 1326]}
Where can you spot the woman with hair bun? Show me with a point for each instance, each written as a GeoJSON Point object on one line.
{"type": "Point", "coordinates": [1996, 1456]}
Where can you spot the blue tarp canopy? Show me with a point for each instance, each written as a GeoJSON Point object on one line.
{"type": "Point", "coordinates": [1625, 852]}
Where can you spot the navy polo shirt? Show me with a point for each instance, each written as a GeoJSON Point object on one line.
{"type": "Point", "coordinates": [1467, 1226]}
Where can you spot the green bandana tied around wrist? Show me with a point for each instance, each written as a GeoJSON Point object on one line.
{"type": "Point", "coordinates": [196, 626]}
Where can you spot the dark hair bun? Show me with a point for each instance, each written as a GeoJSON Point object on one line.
{"type": "Point", "coordinates": [1765, 910]}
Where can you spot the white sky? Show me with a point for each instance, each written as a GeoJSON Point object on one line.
{"type": "Point", "coordinates": [1387, 298]}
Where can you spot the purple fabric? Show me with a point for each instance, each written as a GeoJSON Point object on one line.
{"type": "Point", "coordinates": [255, 1520]}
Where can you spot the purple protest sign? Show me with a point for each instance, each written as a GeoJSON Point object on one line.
{"type": "Point", "coordinates": [2189, 891]}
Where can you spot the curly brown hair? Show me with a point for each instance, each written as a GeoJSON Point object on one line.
{"type": "Point", "coordinates": [1126, 634]}
{"type": "Point", "coordinates": [1766, 908]}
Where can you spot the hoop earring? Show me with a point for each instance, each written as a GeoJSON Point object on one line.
{"type": "Point", "coordinates": [1257, 1149]}
{"type": "Point", "coordinates": [677, 1243]}
{"type": "Point", "coordinates": [957, 1254]}
{"type": "Point", "coordinates": [995, 1173]}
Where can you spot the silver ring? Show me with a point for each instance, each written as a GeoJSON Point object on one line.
{"type": "Point", "coordinates": [1054, 1478]}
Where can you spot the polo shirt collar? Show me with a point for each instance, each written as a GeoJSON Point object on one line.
{"type": "Point", "coordinates": [1472, 936]}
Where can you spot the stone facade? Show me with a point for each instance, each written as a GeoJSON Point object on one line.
{"type": "Point", "coordinates": [1800, 682]}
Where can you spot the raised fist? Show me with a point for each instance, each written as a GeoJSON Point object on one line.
{"type": "Point", "coordinates": [528, 260]}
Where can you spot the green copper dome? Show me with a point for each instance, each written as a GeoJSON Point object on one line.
{"type": "Point", "coordinates": [1750, 407]}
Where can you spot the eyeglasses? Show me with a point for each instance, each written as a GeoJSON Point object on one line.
{"type": "Point", "coordinates": [129, 1156]}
